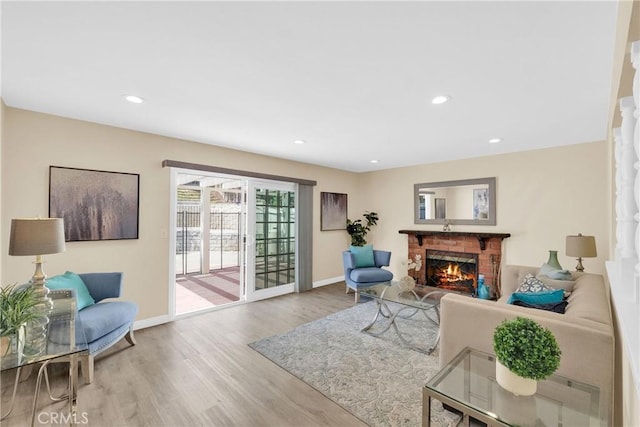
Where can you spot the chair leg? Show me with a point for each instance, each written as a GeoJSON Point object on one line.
{"type": "Point", "coordinates": [86, 365]}
{"type": "Point", "coordinates": [357, 297]}
{"type": "Point", "coordinates": [129, 337]}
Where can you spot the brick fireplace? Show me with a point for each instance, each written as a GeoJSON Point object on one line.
{"type": "Point", "coordinates": [477, 253]}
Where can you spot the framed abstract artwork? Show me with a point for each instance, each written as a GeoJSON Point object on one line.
{"type": "Point", "coordinates": [95, 205]}
{"type": "Point", "coordinates": [333, 211]}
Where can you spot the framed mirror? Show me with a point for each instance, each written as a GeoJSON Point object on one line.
{"type": "Point", "coordinates": [466, 202]}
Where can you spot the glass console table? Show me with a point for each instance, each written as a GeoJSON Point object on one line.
{"type": "Point", "coordinates": [65, 342]}
{"type": "Point", "coordinates": [468, 385]}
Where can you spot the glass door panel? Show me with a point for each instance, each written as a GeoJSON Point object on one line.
{"type": "Point", "coordinates": [274, 245]}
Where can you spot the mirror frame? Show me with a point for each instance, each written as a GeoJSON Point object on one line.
{"type": "Point", "coordinates": [491, 182]}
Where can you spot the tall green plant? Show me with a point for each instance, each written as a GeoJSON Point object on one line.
{"type": "Point", "coordinates": [526, 348]}
{"type": "Point", "coordinates": [17, 307]}
{"type": "Point", "coordinates": [358, 231]}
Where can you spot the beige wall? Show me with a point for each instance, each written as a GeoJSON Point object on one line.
{"type": "Point", "coordinates": [542, 196]}
{"type": "Point", "coordinates": [35, 141]}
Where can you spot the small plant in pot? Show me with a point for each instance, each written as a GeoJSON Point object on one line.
{"type": "Point", "coordinates": [17, 307]}
{"type": "Point", "coordinates": [525, 353]}
{"type": "Point", "coordinates": [358, 231]}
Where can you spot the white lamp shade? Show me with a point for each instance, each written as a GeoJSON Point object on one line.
{"type": "Point", "coordinates": [36, 236]}
{"type": "Point", "coordinates": [581, 246]}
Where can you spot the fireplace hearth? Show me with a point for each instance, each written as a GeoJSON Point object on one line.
{"type": "Point", "coordinates": [453, 271]}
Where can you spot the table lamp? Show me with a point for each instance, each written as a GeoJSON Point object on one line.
{"type": "Point", "coordinates": [582, 247]}
{"type": "Point", "coordinates": [37, 236]}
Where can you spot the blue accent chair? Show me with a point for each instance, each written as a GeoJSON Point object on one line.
{"type": "Point", "coordinates": [363, 277]}
{"type": "Point", "coordinates": [105, 322]}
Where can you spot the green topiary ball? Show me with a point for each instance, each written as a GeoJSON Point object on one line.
{"type": "Point", "coordinates": [526, 348]}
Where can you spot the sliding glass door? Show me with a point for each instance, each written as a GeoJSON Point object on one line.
{"type": "Point", "coordinates": [271, 239]}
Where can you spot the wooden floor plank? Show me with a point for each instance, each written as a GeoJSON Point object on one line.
{"type": "Point", "coordinates": [199, 371]}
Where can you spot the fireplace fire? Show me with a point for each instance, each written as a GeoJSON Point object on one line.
{"type": "Point", "coordinates": [454, 271]}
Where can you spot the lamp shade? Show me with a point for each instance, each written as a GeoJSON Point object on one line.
{"type": "Point", "coordinates": [36, 236]}
{"type": "Point", "coordinates": [581, 246]}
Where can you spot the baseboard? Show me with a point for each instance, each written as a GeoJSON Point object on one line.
{"type": "Point", "coordinates": [329, 281]}
{"type": "Point", "coordinates": [152, 321]}
{"type": "Point", "coordinates": [159, 320]}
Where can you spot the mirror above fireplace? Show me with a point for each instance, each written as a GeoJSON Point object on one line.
{"type": "Point", "coordinates": [466, 202]}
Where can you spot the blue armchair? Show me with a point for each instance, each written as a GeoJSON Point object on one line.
{"type": "Point", "coordinates": [104, 323]}
{"type": "Point", "coordinates": [357, 278]}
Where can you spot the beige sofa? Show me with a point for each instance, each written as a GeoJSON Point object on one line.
{"type": "Point", "coordinates": [584, 332]}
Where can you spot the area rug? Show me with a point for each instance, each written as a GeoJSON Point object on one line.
{"type": "Point", "coordinates": [377, 379]}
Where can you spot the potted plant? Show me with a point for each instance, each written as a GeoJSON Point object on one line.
{"type": "Point", "coordinates": [17, 307]}
{"type": "Point", "coordinates": [358, 231]}
{"type": "Point", "coordinates": [525, 353]}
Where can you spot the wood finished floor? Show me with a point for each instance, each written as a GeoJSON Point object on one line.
{"type": "Point", "coordinates": [199, 371]}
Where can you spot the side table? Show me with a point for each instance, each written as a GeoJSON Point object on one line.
{"type": "Point", "coordinates": [65, 341]}
{"type": "Point", "coordinates": [468, 384]}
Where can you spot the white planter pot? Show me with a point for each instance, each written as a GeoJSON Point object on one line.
{"type": "Point", "coordinates": [514, 383]}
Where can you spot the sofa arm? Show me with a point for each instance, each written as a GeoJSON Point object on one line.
{"type": "Point", "coordinates": [587, 346]}
{"type": "Point", "coordinates": [103, 285]}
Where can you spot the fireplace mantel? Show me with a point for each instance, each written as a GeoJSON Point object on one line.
{"type": "Point", "coordinates": [482, 237]}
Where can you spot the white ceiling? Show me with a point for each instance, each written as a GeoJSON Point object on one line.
{"type": "Point", "coordinates": [353, 79]}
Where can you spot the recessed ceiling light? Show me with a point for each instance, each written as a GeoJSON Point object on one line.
{"type": "Point", "coordinates": [441, 99]}
{"type": "Point", "coordinates": [495, 140]}
{"type": "Point", "coordinates": [374, 161]}
{"type": "Point", "coordinates": [299, 141]}
{"type": "Point", "coordinates": [134, 99]}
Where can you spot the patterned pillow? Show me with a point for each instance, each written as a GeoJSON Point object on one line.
{"type": "Point", "coordinates": [533, 284]}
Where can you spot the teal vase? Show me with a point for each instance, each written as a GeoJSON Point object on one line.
{"type": "Point", "coordinates": [483, 290]}
{"type": "Point", "coordinates": [553, 260]}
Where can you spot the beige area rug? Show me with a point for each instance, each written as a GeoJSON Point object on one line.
{"type": "Point", "coordinates": [377, 379]}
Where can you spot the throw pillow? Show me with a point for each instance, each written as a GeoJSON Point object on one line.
{"type": "Point", "coordinates": [542, 297]}
{"type": "Point", "coordinates": [556, 307]}
{"type": "Point", "coordinates": [533, 284]}
{"type": "Point", "coordinates": [71, 280]}
{"type": "Point", "coordinates": [363, 256]}
{"type": "Point", "coordinates": [554, 273]}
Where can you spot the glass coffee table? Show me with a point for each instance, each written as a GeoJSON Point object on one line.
{"type": "Point", "coordinates": [468, 384]}
{"type": "Point", "coordinates": [425, 300]}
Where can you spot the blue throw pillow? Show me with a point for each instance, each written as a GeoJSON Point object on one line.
{"type": "Point", "coordinates": [71, 280]}
{"type": "Point", "coordinates": [538, 298]}
{"type": "Point", "coordinates": [363, 256]}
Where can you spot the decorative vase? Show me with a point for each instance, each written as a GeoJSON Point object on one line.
{"type": "Point", "coordinates": [553, 260]}
{"type": "Point", "coordinates": [514, 383]}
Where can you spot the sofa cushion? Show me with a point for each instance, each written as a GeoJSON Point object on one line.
{"type": "Point", "coordinates": [370, 275]}
{"type": "Point", "coordinates": [554, 273]}
{"type": "Point", "coordinates": [100, 319]}
{"type": "Point", "coordinates": [363, 256]}
{"type": "Point", "coordinates": [70, 280]}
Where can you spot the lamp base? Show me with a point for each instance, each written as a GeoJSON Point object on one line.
{"type": "Point", "coordinates": [579, 267]}
{"type": "Point", "coordinates": [36, 329]}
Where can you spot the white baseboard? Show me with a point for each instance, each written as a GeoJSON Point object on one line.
{"type": "Point", "coordinates": [159, 320]}
{"type": "Point", "coordinates": [152, 321]}
{"type": "Point", "coordinates": [329, 281]}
